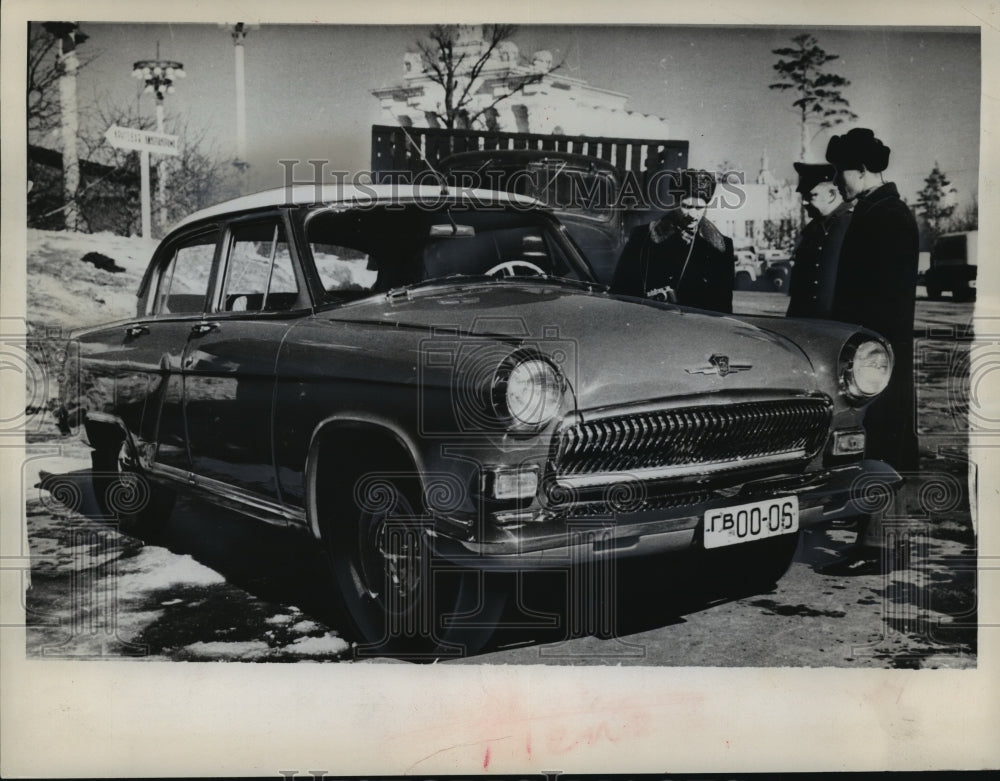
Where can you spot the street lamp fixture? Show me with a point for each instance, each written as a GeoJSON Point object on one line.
{"type": "Point", "coordinates": [159, 75]}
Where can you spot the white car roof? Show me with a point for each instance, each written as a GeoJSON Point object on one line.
{"type": "Point", "coordinates": [350, 194]}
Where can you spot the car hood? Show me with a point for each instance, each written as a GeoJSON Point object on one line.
{"type": "Point", "coordinates": [612, 349]}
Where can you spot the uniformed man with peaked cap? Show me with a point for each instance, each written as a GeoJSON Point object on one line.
{"type": "Point", "coordinates": [817, 252]}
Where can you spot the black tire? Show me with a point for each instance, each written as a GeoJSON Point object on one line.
{"type": "Point", "coordinates": [401, 600]}
{"type": "Point", "coordinates": [743, 281]}
{"type": "Point", "coordinates": [933, 293]}
{"type": "Point", "coordinates": [749, 568]}
{"type": "Point", "coordinates": [777, 279]}
{"type": "Point", "coordinates": [125, 494]}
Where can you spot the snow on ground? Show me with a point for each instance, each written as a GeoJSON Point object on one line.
{"type": "Point", "coordinates": [157, 568]}
{"type": "Point", "coordinates": [327, 645]}
{"type": "Point", "coordinates": [246, 651]}
{"type": "Point", "coordinates": [67, 293]}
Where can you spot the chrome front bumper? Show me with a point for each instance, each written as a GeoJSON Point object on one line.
{"type": "Point", "coordinates": [824, 496]}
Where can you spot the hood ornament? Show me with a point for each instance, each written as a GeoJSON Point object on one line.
{"type": "Point", "coordinates": [719, 364]}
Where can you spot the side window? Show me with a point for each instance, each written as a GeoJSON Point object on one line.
{"type": "Point", "coordinates": [343, 269]}
{"type": "Point", "coordinates": [259, 277]}
{"type": "Point", "coordinates": [183, 284]}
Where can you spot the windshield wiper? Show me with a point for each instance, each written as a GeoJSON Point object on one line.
{"type": "Point", "coordinates": [402, 289]}
{"type": "Point", "coordinates": [592, 287]}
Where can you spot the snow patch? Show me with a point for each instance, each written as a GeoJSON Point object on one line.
{"type": "Point", "coordinates": [157, 568]}
{"type": "Point", "coordinates": [67, 293]}
{"type": "Point", "coordinates": [329, 644]}
{"type": "Point", "coordinates": [304, 627]}
{"type": "Point", "coordinates": [247, 649]}
{"type": "Point", "coordinates": [278, 620]}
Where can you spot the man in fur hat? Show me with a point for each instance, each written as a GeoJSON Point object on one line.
{"type": "Point", "coordinates": [876, 288]}
{"type": "Point", "coordinates": [817, 252]}
{"type": "Point", "coordinates": [682, 257]}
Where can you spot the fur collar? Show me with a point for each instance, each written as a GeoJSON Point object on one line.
{"type": "Point", "coordinates": [671, 223]}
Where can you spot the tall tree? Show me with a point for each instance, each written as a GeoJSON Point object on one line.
{"type": "Point", "coordinates": [936, 201]}
{"type": "Point", "coordinates": [457, 68]}
{"type": "Point", "coordinates": [818, 99]}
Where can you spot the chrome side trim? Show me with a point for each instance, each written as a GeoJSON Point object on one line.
{"type": "Point", "coordinates": [170, 473]}
{"type": "Point", "coordinates": [254, 504]}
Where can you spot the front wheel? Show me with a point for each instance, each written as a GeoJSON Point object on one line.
{"type": "Point", "coordinates": [402, 600]}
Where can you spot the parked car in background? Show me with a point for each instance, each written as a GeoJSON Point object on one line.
{"type": "Point", "coordinates": [432, 386]}
{"type": "Point", "coordinates": [766, 270]}
{"type": "Point", "coordinates": [953, 266]}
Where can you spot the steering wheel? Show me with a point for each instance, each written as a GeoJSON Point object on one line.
{"type": "Point", "coordinates": [509, 268]}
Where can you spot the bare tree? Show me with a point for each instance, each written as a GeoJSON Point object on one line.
{"type": "Point", "coordinates": [44, 70]}
{"type": "Point", "coordinates": [458, 70]}
{"type": "Point", "coordinates": [818, 98]}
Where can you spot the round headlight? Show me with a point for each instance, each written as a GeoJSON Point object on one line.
{"type": "Point", "coordinates": [867, 369]}
{"type": "Point", "coordinates": [533, 392]}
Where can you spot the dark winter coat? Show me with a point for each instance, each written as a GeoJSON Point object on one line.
{"type": "Point", "coordinates": [876, 288]}
{"type": "Point", "coordinates": [700, 272]}
{"type": "Point", "coordinates": [816, 257]}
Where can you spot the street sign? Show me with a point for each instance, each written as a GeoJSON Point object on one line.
{"type": "Point", "coordinates": [142, 140]}
{"type": "Point", "coordinates": [145, 142]}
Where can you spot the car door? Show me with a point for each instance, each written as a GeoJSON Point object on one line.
{"type": "Point", "coordinates": [173, 300]}
{"type": "Point", "coordinates": [229, 364]}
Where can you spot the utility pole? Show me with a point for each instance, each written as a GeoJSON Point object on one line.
{"type": "Point", "coordinates": [70, 37]}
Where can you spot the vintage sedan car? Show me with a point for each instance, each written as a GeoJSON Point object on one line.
{"type": "Point", "coordinates": [432, 386]}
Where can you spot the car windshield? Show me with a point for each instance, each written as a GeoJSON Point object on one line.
{"type": "Point", "coordinates": [567, 188]}
{"type": "Point", "coordinates": [377, 249]}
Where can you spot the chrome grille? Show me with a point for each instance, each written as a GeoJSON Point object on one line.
{"type": "Point", "coordinates": [688, 440]}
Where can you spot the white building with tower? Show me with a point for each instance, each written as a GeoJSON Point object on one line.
{"type": "Point", "coordinates": [556, 104]}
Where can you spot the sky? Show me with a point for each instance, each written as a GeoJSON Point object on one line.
{"type": "Point", "coordinates": [309, 88]}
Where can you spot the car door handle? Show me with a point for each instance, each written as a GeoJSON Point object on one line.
{"type": "Point", "coordinates": [136, 330]}
{"type": "Point", "coordinates": [203, 328]}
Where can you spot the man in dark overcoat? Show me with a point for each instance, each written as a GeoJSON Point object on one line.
{"type": "Point", "coordinates": [681, 257]}
{"type": "Point", "coordinates": [817, 251]}
{"type": "Point", "coordinates": [876, 288]}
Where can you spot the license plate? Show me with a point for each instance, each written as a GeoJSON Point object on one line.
{"type": "Point", "coordinates": [749, 522]}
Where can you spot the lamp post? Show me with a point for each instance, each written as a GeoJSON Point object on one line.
{"type": "Point", "coordinates": [69, 36]}
{"type": "Point", "coordinates": [239, 32]}
{"type": "Point", "coordinates": [159, 76]}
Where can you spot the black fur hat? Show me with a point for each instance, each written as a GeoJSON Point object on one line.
{"type": "Point", "coordinates": [856, 149]}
